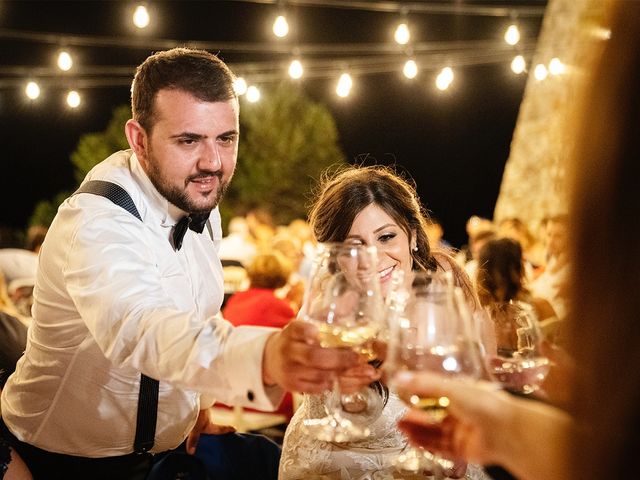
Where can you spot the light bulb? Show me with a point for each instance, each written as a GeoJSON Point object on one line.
{"type": "Point", "coordinates": [65, 62]}
{"type": "Point", "coordinates": [240, 86]}
{"type": "Point", "coordinates": [556, 67]}
{"type": "Point", "coordinates": [447, 74]}
{"type": "Point", "coordinates": [402, 34]}
{"type": "Point", "coordinates": [280, 26]}
{"type": "Point", "coordinates": [295, 69]}
{"type": "Point", "coordinates": [540, 72]}
{"type": "Point", "coordinates": [32, 90]}
{"type": "Point", "coordinates": [410, 69]}
{"type": "Point", "coordinates": [518, 64]}
{"type": "Point", "coordinates": [73, 99]}
{"type": "Point", "coordinates": [512, 35]}
{"type": "Point", "coordinates": [253, 94]}
{"type": "Point", "coordinates": [444, 78]}
{"type": "Point", "coordinates": [344, 85]}
{"type": "Point", "coordinates": [141, 16]}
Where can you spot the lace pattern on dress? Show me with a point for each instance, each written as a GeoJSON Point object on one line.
{"type": "Point", "coordinates": [306, 458]}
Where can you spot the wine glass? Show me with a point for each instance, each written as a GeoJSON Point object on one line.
{"type": "Point", "coordinates": [518, 364]}
{"type": "Point", "coordinates": [430, 329]}
{"type": "Point", "coordinates": [344, 301]}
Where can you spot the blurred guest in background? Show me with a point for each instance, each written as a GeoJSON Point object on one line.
{"type": "Point", "coordinates": [552, 283]}
{"type": "Point", "coordinates": [259, 305]}
{"type": "Point", "coordinates": [500, 277]}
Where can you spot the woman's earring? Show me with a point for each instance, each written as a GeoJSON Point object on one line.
{"type": "Point", "coordinates": [415, 249]}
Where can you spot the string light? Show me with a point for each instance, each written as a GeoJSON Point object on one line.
{"type": "Point", "coordinates": [518, 64]}
{"type": "Point", "coordinates": [402, 34]}
{"type": "Point", "coordinates": [512, 35]}
{"type": "Point", "coordinates": [253, 94]}
{"type": "Point", "coordinates": [240, 86]}
{"type": "Point", "coordinates": [32, 90]}
{"type": "Point", "coordinates": [556, 67]}
{"type": "Point", "coordinates": [280, 26]}
{"type": "Point", "coordinates": [65, 62]}
{"type": "Point", "coordinates": [410, 69]}
{"type": "Point", "coordinates": [344, 85]}
{"type": "Point", "coordinates": [141, 17]}
{"type": "Point", "coordinates": [295, 69]}
{"type": "Point", "coordinates": [540, 72]}
{"type": "Point", "coordinates": [73, 99]}
{"type": "Point", "coordinates": [317, 68]}
{"type": "Point", "coordinates": [444, 78]}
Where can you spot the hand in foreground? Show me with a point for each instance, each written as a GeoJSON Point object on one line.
{"type": "Point", "coordinates": [473, 426]}
{"type": "Point", "coordinates": [294, 359]}
{"type": "Point", "coordinates": [204, 425]}
{"type": "Point", "coordinates": [488, 426]}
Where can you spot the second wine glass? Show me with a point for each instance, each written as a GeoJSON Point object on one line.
{"type": "Point", "coordinates": [344, 301]}
{"type": "Point", "coordinates": [430, 330]}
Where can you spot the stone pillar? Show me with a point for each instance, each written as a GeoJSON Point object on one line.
{"type": "Point", "coordinates": [534, 182]}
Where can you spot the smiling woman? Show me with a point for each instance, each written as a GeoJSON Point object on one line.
{"type": "Point", "coordinates": [369, 206]}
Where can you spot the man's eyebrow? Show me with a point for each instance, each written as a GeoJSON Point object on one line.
{"type": "Point", "coordinates": [189, 135]}
{"type": "Point", "coordinates": [229, 133]}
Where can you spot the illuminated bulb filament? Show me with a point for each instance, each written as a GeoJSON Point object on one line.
{"type": "Point", "coordinates": [32, 90]}
{"type": "Point", "coordinates": [556, 67]}
{"type": "Point", "coordinates": [65, 62]}
{"type": "Point", "coordinates": [253, 94]}
{"type": "Point", "coordinates": [141, 16]}
{"type": "Point", "coordinates": [73, 99]}
{"type": "Point", "coordinates": [444, 78]}
{"type": "Point", "coordinates": [410, 69]}
{"type": "Point", "coordinates": [344, 85]}
{"type": "Point", "coordinates": [512, 35]}
{"type": "Point", "coordinates": [280, 26]}
{"type": "Point", "coordinates": [402, 34]}
{"type": "Point", "coordinates": [540, 72]}
{"type": "Point", "coordinates": [518, 64]}
{"type": "Point", "coordinates": [295, 69]}
{"type": "Point", "coordinates": [240, 86]}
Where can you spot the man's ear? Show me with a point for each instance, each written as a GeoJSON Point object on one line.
{"type": "Point", "coordinates": [138, 140]}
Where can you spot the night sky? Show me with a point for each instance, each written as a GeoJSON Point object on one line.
{"type": "Point", "coordinates": [453, 143]}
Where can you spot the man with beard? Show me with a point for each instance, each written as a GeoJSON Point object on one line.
{"type": "Point", "coordinates": [124, 302]}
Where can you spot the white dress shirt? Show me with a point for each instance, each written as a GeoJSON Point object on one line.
{"type": "Point", "coordinates": [113, 299]}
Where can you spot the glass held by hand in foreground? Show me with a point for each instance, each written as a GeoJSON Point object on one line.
{"type": "Point", "coordinates": [430, 329]}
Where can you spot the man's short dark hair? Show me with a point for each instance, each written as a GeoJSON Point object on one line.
{"type": "Point", "coordinates": [197, 72]}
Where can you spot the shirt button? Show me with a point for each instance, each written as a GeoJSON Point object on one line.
{"type": "Point", "coordinates": [250, 395]}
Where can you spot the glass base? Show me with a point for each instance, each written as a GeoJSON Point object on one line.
{"type": "Point", "coordinates": [418, 460]}
{"type": "Point", "coordinates": [335, 429]}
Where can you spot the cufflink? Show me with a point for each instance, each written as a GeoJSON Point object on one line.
{"type": "Point", "coordinates": [250, 395]}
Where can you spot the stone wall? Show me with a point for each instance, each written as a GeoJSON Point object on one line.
{"type": "Point", "coordinates": [534, 183]}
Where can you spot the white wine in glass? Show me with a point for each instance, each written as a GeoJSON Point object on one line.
{"type": "Point", "coordinates": [430, 330]}
{"type": "Point", "coordinates": [344, 301]}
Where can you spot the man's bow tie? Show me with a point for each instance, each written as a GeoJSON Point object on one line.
{"type": "Point", "coordinates": [195, 222]}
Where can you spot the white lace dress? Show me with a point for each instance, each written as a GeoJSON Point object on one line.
{"type": "Point", "coordinates": [304, 457]}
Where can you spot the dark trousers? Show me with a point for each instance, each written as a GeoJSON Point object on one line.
{"type": "Point", "coordinates": [46, 465]}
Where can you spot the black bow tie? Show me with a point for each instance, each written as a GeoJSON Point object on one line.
{"type": "Point", "coordinates": [195, 222]}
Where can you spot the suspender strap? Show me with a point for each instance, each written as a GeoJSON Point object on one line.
{"type": "Point", "coordinates": [148, 397]}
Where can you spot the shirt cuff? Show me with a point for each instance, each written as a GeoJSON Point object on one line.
{"type": "Point", "coordinates": [243, 360]}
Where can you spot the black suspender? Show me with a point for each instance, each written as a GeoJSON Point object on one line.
{"type": "Point", "coordinates": [148, 397]}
